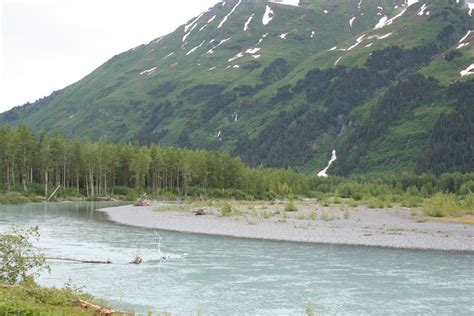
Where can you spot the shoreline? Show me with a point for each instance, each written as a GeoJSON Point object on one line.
{"type": "Point", "coordinates": [387, 228]}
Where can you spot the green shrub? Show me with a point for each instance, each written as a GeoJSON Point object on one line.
{"type": "Point", "coordinates": [375, 203]}
{"type": "Point", "coordinates": [265, 214]}
{"type": "Point", "coordinates": [13, 198]}
{"type": "Point", "coordinates": [290, 207]}
{"type": "Point", "coordinates": [411, 201]}
{"type": "Point", "coordinates": [442, 204]}
{"type": "Point", "coordinates": [121, 190]}
{"type": "Point", "coordinates": [226, 209]}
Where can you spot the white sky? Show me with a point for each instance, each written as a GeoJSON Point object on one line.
{"type": "Point", "coordinates": [46, 45]}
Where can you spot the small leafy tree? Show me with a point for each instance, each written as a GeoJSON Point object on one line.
{"type": "Point", "coordinates": [19, 260]}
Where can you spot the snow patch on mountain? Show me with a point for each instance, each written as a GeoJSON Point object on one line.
{"type": "Point", "coordinates": [333, 48]}
{"type": "Point", "coordinates": [323, 173]}
{"type": "Point", "coordinates": [157, 40]}
{"type": "Point", "coordinates": [409, 3]}
{"type": "Point", "coordinates": [261, 38]}
{"type": "Point", "coordinates": [195, 48]}
{"type": "Point", "coordinates": [351, 21]}
{"type": "Point", "coordinates": [384, 21]}
{"type": "Point", "coordinates": [370, 44]}
{"type": "Point", "coordinates": [294, 3]}
{"type": "Point", "coordinates": [256, 56]}
{"type": "Point", "coordinates": [246, 26]}
{"type": "Point", "coordinates": [148, 71]}
{"type": "Point", "coordinates": [468, 71]}
{"type": "Point", "coordinates": [169, 55]}
{"type": "Point", "coordinates": [209, 21]}
{"type": "Point", "coordinates": [461, 41]}
{"type": "Point", "coordinates": [313, 32]}
{"type": "Point", "coordinates": [189, 33]}
{"type": "Point", "coordinates": [253, 50]}
{"type": "Point", "coordinates": [239, 55]}
{"type": "Point", "coordinates": [268, 15]}
{"type": "Point", "coordinates": [229, 14]}
{"type": "Point", "coordinates": [422, 10]}
{"type": "Point", "coordinates": [211, 51]}
{"type": "Point", "coordinates": [235, 117]}
{"type": "Point", "coordinates": [190, 25]}
{"type": "Point", "coordinates": [283, 36]}
{"type": "Point", "coordinates": [471, 7]}
{"type": "Point", "coordinates": [380, 36]}
{"type": "Point", "coordinates": [358, 41]}
{"type": "Point", "coordinates": [337, 61]}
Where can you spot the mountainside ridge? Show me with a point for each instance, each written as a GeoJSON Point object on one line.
{"type": "Point", "coordinates": [283, 85]}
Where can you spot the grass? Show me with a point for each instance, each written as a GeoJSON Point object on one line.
{"type": "Point", "coordinates": [35, 300]}
{"type": "Point", "coordinates": [290, 207]}
{"type": "Point", "coordinates": [266, 214]}
{"type": "Point", "coordinates": [14, 198]}
{"type": "Point", "coordinates": [325, 216]}
{"type": "Point", "coordinates": [172, 208]}
{"type": "Point", "coordinates": [461, 220]}
{"type": "Point", "coordinates": [300, 216]}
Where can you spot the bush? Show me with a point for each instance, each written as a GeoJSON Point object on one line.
{"type": "Point", "coordinates": [19, 259]}
{"type": "Point", "coordinates": [13, 198]}
{"type": "Point", "coordinates": [290, 207]}
{"type": "Point", "coordinates": [442, 205]}
{"type": "Point", "coordinates": [226, 209]}
{"type": "Point", "coordinates": [121, 190]}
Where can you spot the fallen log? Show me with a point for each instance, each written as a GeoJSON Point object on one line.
{"type": "Point", "coordinates": [97, 308]}
{"type": "Point", "coordinates": [79, 260]}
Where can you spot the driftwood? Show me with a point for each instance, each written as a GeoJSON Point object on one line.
{"type": "Point", "coordinates": [143, 201]}
{"type": "Point", "coordinates": [52, 194]}
{"type": "Point", "coordinates": [200, 212]}
{"type": "Point", "coordinates": [137, 260]}
{"type": "Point", "coordinates": [79, 260]}
{"type": "Point", "coordinates": [97, 308]}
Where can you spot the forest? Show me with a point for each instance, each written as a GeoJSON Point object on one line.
{"type": "Point", "coordinates": [39, 164]}
{"type": "Point", "coordinates": [35, 165]}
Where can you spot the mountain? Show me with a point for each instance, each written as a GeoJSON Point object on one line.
{"type": "Point", "coordinates": [386, 83]}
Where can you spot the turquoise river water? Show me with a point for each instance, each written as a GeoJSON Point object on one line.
{"type": "Point", "coordinates": [230, 276]}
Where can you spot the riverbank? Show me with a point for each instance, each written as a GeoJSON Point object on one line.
{"type": "Point", "coordinates": [36, 300]}
{"type": "Point", "coordinates": [395, 227]}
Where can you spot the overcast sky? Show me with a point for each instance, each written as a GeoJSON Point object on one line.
{"type": "Point", "coordinates": [48, 44]}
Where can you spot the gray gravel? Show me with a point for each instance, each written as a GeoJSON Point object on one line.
{"type": "Point", "coordinates": [368, 227]}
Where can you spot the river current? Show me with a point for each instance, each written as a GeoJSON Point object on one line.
{"type": "Point", "coordinates": [230, 276]}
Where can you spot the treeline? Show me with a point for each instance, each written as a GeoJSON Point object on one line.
{"type": "Point", "coordinates": [42, 163]}
{"type": "Point", "coordinates": [451, 146]}
{"type": "Point", "coordinates": [37, 164]}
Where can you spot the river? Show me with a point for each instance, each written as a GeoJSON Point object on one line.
{"type": "Point", "coordinates": [230, 276]}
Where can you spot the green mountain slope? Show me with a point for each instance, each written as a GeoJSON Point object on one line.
{"type": "Point", "coordinates": [284, 85]}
